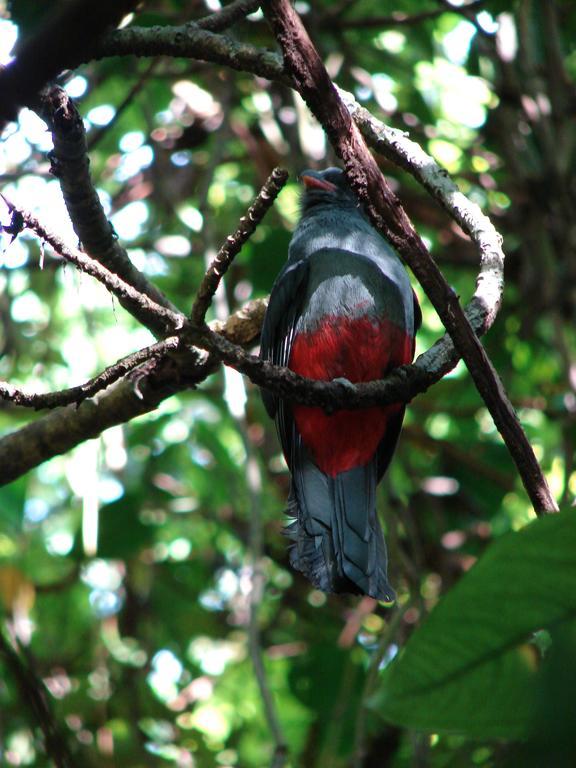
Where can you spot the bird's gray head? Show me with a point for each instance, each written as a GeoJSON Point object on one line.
{"type": "Point", "coordinates": [328, 187]}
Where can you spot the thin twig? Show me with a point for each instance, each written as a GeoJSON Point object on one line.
{"type": "Point", "coordinates": [161, 317]}
{"type": "Point", "coordinates": [388, 216]}
{"type": "Point", "coordinates": [234, 243]}
{"type": "Point", "coordinates": [81, 392]}
{"type": "Point", "coordinates": [397, 18]}
{"type": "Point", "coordinates": [36, 703]}
{"type": "Point", "coordinates": [229, 15]}
{"type": "Point", "coordinates": [97, 136]}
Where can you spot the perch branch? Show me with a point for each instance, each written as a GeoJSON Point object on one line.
{"type": "Point", "coordinates": [388, 216]}
{"type": "Point", "coordinates": [399, 386]}
{"type": "Point", "coordinates": [64, 428]}
{"type": "Point", "coordinates": [393, 144]}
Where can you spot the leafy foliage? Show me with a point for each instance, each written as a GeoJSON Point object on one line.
{"type": "Point", "coordinates": [472, 667]}
{"type": "Point", "coordinates": [126, 565]}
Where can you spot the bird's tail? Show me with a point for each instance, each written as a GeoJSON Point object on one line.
{"type": "Point", "coordinates": [338, 543]}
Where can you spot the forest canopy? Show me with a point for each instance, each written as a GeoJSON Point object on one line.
{"type": "Point", "coordinates": [149, 171]}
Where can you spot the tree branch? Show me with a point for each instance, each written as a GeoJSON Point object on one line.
{"type": "Point", "coordinates": [70, 164]}
{"type": "Point", "coordinates": [397, 147]}
{"type": "Point", "coordinates": [61, 43]}
{"type": "Point", "coordinates": [234, 243]}
{"type": "Point", "coordinates": [403, 384]}
{"type": "Point", "coordinates": [394, 145]}
{"type": "Point", "coordinates": [191, 41]}
{"type": "Point", "coordinates": [399, 386]}
{"type": "Point", "coordinates": [61, 430]}
{"type": "Point", "coordinates": [97, 136]}
{"type": "Point", "coordinates": [91, 387]}
{"type": "Point", "coordinates": [229, 15]}
{"type": "Point", "coordinates": [166, 320]}
{"type": "Point", "coordinates": [388, 216]}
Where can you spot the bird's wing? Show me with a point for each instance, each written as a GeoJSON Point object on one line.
{"type": "Point", "coordinates": [278, 331]}
{"type": "Point", "coordinates": [417, 313]}
{"type": "Point", "coordinates": [387, 445]}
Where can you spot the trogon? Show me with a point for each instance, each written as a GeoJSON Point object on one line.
{"type": "Point", "coordinates": [342, 308]}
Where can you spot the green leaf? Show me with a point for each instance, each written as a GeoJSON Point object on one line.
{"type": "Point", "coordinates": [122, 533]}
{"type": "Point", "coordinates": [468, 668]}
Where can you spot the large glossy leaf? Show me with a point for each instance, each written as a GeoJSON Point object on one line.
{"type": "Point", "coordinates": [468, 668]}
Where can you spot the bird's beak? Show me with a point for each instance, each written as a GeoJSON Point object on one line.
{"type": "Point", "coordinates": [311, 182]}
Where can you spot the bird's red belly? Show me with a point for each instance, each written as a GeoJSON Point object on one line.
{"type": "Point", "coordinates": [358, 349]}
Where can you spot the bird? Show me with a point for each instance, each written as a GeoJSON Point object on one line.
{"type": "Point", "coordinates": [342, 308]}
